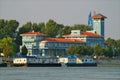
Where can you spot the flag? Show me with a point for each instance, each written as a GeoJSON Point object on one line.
{"type": "Point", "coordinates": [90, 22]}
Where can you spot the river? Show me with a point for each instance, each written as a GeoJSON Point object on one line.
{"type": "Point", "coordinates": [59, 73]}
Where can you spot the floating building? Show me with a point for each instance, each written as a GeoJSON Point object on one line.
{"type": "Point", "coordinates": [38, 44]}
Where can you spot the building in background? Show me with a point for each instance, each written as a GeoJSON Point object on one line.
{"type": "Point", "coordinates": [38, 44]}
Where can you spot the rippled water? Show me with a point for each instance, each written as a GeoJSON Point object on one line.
{"type": "Point", "coordinates": [60, 73]}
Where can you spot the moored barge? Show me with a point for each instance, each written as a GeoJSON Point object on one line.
{"type": "Point", "coordinates": [33, 61]}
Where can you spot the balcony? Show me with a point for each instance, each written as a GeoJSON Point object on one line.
{"type": "Point", "coordinates": [28, 40]}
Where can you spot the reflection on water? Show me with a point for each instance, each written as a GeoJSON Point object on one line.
{"type": "Point", "coordinates": [60, 73]}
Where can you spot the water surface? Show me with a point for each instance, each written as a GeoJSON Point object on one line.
{"type": "Point", "coordinates": [59, 73]}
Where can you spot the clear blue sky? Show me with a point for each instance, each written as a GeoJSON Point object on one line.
{"type": "Point", "coordinates": [67, 12]}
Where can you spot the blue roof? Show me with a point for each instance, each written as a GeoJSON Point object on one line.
{"type": "Point", "coordinates": [71, 56]}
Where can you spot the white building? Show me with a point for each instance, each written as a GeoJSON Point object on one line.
{"type": "Point", "coordinates": [38, 44]}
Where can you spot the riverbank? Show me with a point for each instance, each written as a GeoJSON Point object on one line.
{"type": "Point", "coordinates": [60, 73]}
{"type": "Point", "coordinates": [109, 62]}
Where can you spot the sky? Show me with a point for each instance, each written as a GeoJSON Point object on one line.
{"type": "Point", "coordinates": [67, 12]}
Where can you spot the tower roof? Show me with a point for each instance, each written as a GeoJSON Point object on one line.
{"type": "Point", "coordinates": [99, 16]}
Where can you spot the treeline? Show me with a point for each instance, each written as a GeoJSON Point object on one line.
{"type": "Point", "coordinates": [97, 50]}
{"type": "Point", "coordinates": [10, 31]}
{"type": "Point", "coordinates": [52, 28]}
{"type": "Point", "coordinates": [7, 37]}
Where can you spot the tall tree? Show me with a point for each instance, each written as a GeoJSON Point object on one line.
{"type": "Point", "coordinates": [66, 30]}
{"type": "Point", "coordinates": [42, 27]}
{"type": "Point", "coordinates": [25, 28]}
{"type": "Point", "coordinates": [80, 50]}
{"type": "Point", "coordinates": [111, 42]}
{"type": "Point", "coordinates": [24, 50]}
{"type": "Point", "coordinates": [51, 28]}
{"type": "Point", "coordinates": [115, 45]}
{"type": "Point", "coordinates": [108, 51]}
{"type": "Point", "coordinates": [98, 50]}
{"type": "Point", "coordinates": [60, 28]}
{"type": "Point", "coordinates": [8, 28]}
{"type": "Point", "coordinates": [36, 28]}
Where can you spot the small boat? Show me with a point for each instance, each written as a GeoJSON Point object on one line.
{"type": "Point", "coordinates": [74, 61]}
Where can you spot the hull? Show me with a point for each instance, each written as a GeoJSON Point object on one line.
{"type": "Point", "coordinates": [37, 65]}
{"type": "Point", "coordinates": [44, 65]}
{"type": "Point", "coordinates": [3, 65]}
{"type": "Point", "coordinates": [19, 65]}
{"type": "Point", "coordinates": [82, 65]}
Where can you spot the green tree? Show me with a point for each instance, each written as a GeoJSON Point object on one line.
{"type": "Point", "coordinates": [66, 30]}
{"type": "Point", "coordinates": [60, 29]}
{"type": "Point", "coordinates": [8, 46]}
{"type": "Point", "coordinates": [25, 28]}
{"type": "Point", "coordinates": [71, 50]}
{"type": "Point", "coordinates": [2, 23]}
{"type": "Point", "coordinates": [108, 51]}
{"type": "Point", "coordinates": [117, 52]}
{"type": "Point", "coordinates": [111, 42]}
{"type": "Point", "coordinates": [35, 27]}
{"type": "Point", "coordinates": [118, 43]}
{"type": "Point", "coordinates": [77, 50]}
{"type": "Point", "coordinates": [51, 28]}
{"type": "Point", "coordinates": [89, 50]}
{"type": "Point", "coordinates": [24, 50]}
{"type": "Point", "coordinates": [80, 50]}
{"type": "Point", "coordinates": [81, 27]}
{"type": "Point", "coordinates": [115, 44]}
{"type": "Point", "coordinates": [98, 50]}
{"type": "Point", "coordinates": [117, 48]}
{"type": "Point", "coordinates": [8, 28]}
{"type": "Point", "coordinates": [42, 27]}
